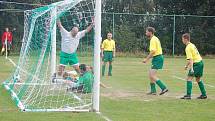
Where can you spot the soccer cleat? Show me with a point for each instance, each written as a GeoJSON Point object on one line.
{"type": "Point", "coordinates": [151, 93]}
{"type": "Point", "coordinates": [186, 97]}
{"type": "Point", "coordinates": [163, 91]}
{"type": "Point", "coordinates": [202, 97]}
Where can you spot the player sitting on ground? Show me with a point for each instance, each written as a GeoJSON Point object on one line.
{"type": "Point", "coordinates": [85, 82]}
{"type": "Point", "coordinates": [82, 84]}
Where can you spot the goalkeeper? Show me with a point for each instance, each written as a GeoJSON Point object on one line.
{"type": "Point", "coordinates": [85, 83]}
{"type": "Point", "coordinates": [69, 45]}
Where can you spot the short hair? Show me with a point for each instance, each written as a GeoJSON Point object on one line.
{"type": "Point", "coordinates": [83, 67]}
{"type": "Point", "coordinates": [186, 36]}
{"type": "Point", "coordinates": [151, 29]}
{"type": "Point", "coordinates": [109, 33]}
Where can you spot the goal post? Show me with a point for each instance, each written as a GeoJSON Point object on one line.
{"type": "Point", "coordinates": [97, 45]}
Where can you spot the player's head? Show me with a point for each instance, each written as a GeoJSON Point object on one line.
{"type": "Point", "coordinates": [7, 29]}
{"type": "Point", "coordinates": [74, 31]}
{"type": "Point", "coordinates": [150, 31]}
{"type": "Point", "coordinates": [109, 35]}
{"type": "Point", "coordinates": [186, 38]}
{"type": "Point", "coordinates": [83, 68]}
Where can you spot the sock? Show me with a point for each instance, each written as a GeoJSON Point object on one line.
{"type": "Point", "coordinates": [189, 87]}
{"type": "Point", "coordinates": [202, 88]}
{"type": "Point", "coordinates": [153, 89]}
{"type": "Point", "coordinates": [160, 84]}
{"type": "Point", "coordinates": [110, 70]}
{"type": "Point", "coordinates": [103, 70]}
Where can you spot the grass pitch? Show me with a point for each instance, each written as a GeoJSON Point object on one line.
{"type": "Point", "coordinates": [126, 100]}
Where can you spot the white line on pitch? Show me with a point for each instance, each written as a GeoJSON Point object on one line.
{"type": "Point", "coordinates": [195, 82]}
{"type": "Point", "coordinates": [103, 116]}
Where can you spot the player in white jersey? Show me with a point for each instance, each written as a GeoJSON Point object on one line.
{"type": "Point", "coordinates": [69, 44]}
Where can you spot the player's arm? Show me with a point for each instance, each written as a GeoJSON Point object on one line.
{"type": "Point", "coordinates": [3, 38]}
{"type": "Point", "coordinates": [152, 52]}
{"type": "Point", "coordinates": [189, 64]}
{"type": "Point", "coordinates": [59, 25]}
{"type": "Point", "coordinates": [102, 49]}
{"type": "Point", "coordinates": [89, 28]}
{"type": "Point", "coordinates": [11, 37]}
{"type": "Point", "coordinates": [114, 50]}
{"type": "Point", "coordinates": [152, 49]}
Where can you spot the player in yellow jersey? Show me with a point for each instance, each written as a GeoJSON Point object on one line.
{"type": "Point", "coordinates": [157, 62]}
{"type": "Point", "coordinates": [195, 66]}
{"type": "Point", "coordinates": [108, 53]}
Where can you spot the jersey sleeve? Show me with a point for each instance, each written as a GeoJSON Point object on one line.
{"type": "Point", "coordinates": [152, 46]}
{"type": "Point", "coordinates": [114, 45]}
{"type": "Point", "coordinates": [63, 31]}
{"type": "Point", "coordinates": [103, 44]}
{"type": "Point", "coordinates": [81, 34]}
{"type": "Point", "coordinates": [189, 53]}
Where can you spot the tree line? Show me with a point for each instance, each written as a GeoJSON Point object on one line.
{"type": "Point", "coordinates": [129, 27]}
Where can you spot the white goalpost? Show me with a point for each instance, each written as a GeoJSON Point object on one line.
{"type": "Point", "coordinates": [97, 46]}
{"type": "Point", "coordinates": [31, 85]}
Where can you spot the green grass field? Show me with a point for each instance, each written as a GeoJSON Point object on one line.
{"type": "Point", "coordinates": [126, 100]}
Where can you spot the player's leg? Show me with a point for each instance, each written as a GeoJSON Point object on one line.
{"type": "Point", "coordinates": [157, 63]}
{"type": "Point", "coordinates": [105, 60]}
{"type": "Point", "coordinates": [152, 85]}
{"type": "Point", "coordinates": [110, 68]}
{"type": "Point", "coordinates": [3, 49]}
{"type": "Point", "coordinates": [153, 74]}
{"type": "Point", "coordinates": [63, 62]}
{"type": "Point", "coordinates": [103, 67]}
{"type": "Point", "coordinates": [189, 87]}
{"type": "Point", "coordinates": [9, 48]}
{"type": "Point", "coordinates": [202, 88]}
{"type": "Point", "coordinates": [110, 60]}
{"type": "Point", "coordinates": [73, 60]}
{"type": "Point", "coordinates": [198, 72]}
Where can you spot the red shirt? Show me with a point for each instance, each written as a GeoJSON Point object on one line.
{"type": "Point", "coordinates": [8, 36]}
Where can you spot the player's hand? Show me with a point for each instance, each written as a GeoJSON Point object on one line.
{"type": "Point", "coordinates": [144, 60]}
{"type": "Point", "coordinates": [185, 67]}
{"type": "Point", "coordinates": [93, 21]}
{"type": "Point", "coordinates": [114, 55]}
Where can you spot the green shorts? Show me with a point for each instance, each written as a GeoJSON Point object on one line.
{"type": "Point", "coordinates": [198, 69]}
{"type": "Point", "coordinates": [108, 56]}
{"type": "Point", "coordinates": [70, 59]}
{"type": "Point", "coordinates": [157, 62]}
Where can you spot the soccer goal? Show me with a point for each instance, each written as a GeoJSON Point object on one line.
{"type": "Point", "coordinates": [31, 85]}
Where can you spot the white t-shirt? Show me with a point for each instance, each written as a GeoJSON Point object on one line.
{"type": "Point", "coordinates": [70, 44]}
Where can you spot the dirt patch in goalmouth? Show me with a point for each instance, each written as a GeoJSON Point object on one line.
{"type": "Point", "coordinates": [141, 95]}
{"type": "Point", "coordinates": [123, 95]}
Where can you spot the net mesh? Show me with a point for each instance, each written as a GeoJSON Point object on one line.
{"type": "Point", "coordinates": [31, 85]}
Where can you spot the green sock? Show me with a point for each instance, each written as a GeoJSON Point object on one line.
{"type": "Point", "coordinates": [110, 70]}
{"type": "Point", "coordinates": [189, 87]}
{"type": "Point", "coordinates": [153, 89]}
{"type": "Point", "coordinates": [103, 70]}
{"type": "Point", "coordinates": [202, 88]}
{"type": "Point", "coordinates": [161, 84]}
